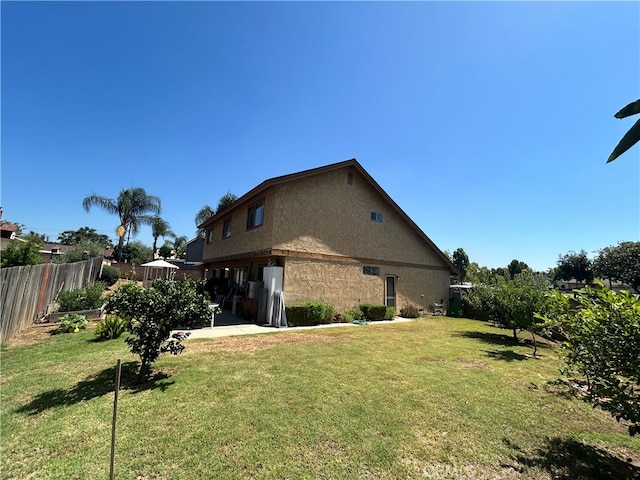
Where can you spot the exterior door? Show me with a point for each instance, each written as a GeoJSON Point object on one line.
{"type": "Point", "coordinates": [390, 296]}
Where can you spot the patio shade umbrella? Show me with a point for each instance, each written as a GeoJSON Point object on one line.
{"type": "Point", "coordinates": [156, 269]}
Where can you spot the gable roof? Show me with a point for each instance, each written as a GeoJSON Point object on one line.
{"type": "Point", "coordinates": [328, 168]}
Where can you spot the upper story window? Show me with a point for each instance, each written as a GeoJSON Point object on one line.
{"type": "Point", "coordinates": [376, 216]}
{"type": "Point", "coordinates": [255, 216]}
{"type": "Point", "coordinates": [226, 228]}
{"type": "Point", "coordinates": [349, 178]}
{"type": "Point", "coordinates": [210, 235]}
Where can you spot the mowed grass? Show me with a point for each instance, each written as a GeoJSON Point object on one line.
{"type": "Point", "coordinates": [434, 398]}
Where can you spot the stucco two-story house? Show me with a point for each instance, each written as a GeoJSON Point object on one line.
{"type": "Point", "coordinates": [338, 235]}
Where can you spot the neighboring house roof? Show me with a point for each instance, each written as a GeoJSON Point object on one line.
{"type": "Point", "coordinates": [327, 168]}
{"type": "Point", "coordinates": [8, 230]}
{"type": "Point", "coordinates": [194, 248]}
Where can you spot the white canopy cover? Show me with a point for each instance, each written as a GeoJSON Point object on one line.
{"type": "Point", "coordinates": [156, 269]}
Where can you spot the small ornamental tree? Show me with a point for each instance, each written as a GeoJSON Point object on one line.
{"type": "Point", "coordinates": [513, 304]}
{"type": "Point", "coordinates": [603, 346]}
{"type": "Point", "coordinates": [152, 313]}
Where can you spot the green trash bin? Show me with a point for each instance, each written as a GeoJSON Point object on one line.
{"type": "Point", "coordinates": [455, 307]}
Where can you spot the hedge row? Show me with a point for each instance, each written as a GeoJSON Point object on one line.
{"type": "Point", "coordinates": [308, 313]}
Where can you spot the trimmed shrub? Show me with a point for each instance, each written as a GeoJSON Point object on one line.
{"type": "Point", "coordinates": [109, 328]}
{"type": "Point", "coordinates": [353, 314]}
{"type": "Point", "coordinates": [110, 275]}
{"type": "Point", "coordinates": [72, 323]}
{"type": "Point", "coordinates": [373, 312]}
{"type": "Point", "coordinates": [409, 311]}
{"type": "Point", "coordinates": [308, 313]}
{"type": "Point", "coordinates": [391, 312]}
{"type": "Point", "coordinates": [89, 298]}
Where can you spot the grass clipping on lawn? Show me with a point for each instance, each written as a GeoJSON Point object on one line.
{"type": "Point", "coordinates": [434, 398]}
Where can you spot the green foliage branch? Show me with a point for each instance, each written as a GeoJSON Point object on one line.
{"type": "Point", "coordinates": [632, 136]}
{"type": "Point", "coordinates": [19, 253]}
{"type": "Point", "coordinates": [603, 346]}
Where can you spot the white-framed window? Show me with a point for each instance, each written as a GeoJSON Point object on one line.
{"type": "Point", "coordinates": [255, 215]}
{"type": "Point", "coordinates": [376, 216]}
{"type": "Point", "coordinates": [210, 235]}
{"type": "Point", "coordinates": [370, 270]}
{"type": "Point", "coordinates": [226, 228]}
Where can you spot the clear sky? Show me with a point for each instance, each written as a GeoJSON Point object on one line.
{"type": "Point", "coordinates": [488, 123]}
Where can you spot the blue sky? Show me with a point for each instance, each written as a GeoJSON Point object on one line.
{"type": "Point", "coordinates": [488, 123]}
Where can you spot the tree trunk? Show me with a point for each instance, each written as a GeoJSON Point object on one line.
{"type": "Point", "coordinates": [120, 248]}
{"type": "Point", "coordinates": [515, 335]}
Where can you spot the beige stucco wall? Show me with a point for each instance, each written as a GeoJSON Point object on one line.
{"type": "Point", "coordinates": [241, 239]}
{"type": "Point", "coordinates": [343, 285]}
{"type": "Point", "coordinates": [324, 214]}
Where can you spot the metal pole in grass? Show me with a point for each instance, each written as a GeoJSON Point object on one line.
{"type": "Point", "coordinates": [115, 415]}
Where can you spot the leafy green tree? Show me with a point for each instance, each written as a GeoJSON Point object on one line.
{"type": "Point", "coordinates": [632, 136]}
{"type": "Point", "coordinates": [84, 235]}
{"type": "Point", "coordinates": [516, 267]}
{"type": "Point", "coordinates": [477, 274]}
{"type": "Point", "coordinates": [461, 262]}
{"type": "Point", "coordinates": [20, 253]}
{"type": "Point", "coordinates": [165, 250]}
{"type": "Point", "coordinates": [204, 214]}
{"type": "Point", "coordinates": [226, 200]}
{"type": "Point", "coordinates": [603, 347]}
{"type": "Point", "coordinates": [621, 263]}
{"type": "Point", "coordinates": [152, 313]}
{"type": "Point", "coordinates": [134, 208]}
{"type": "Point", "coordinates": [136, 253]}
{"type": "Point", "coordinates": [512, 304]}
{"type": "Point", "coordinates": [160, 228]}
{"type": "Point", "coordinates": [574, 265]}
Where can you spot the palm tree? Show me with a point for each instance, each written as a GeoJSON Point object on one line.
{"type": "Point", "coordinates": [179, 245]}
{"type": "Point", "coordinates": [134, 208]}
{"type": "Point", "coordinates": [204, 214]}
{"type": "Point", "coordinates": [160, 228]}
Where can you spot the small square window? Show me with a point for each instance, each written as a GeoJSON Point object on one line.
{"type": "Point", "coordinates": [376, 216]}
{"type": "Point", "coordinates": [369, 270]}
{"type": "Point", "coordinates": [226, 228]}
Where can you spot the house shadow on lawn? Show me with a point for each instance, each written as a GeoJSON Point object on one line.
{"type": "Point", "coordinates": [96, 385]}
{"type": "Point", "coordinates": [568, 459]}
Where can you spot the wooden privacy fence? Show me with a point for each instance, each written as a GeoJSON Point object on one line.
{"type": "Point", "coordinates": [28, 292]}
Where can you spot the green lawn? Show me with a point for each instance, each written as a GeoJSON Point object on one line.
{"type": "Point", "coordinates": [434, 398]}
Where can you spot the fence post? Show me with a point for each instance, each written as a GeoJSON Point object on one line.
{"type": "Point", "coordinates": [43, 287]}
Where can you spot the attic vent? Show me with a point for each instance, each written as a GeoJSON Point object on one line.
{"type": "Point", "coordinates": [349, 178]}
